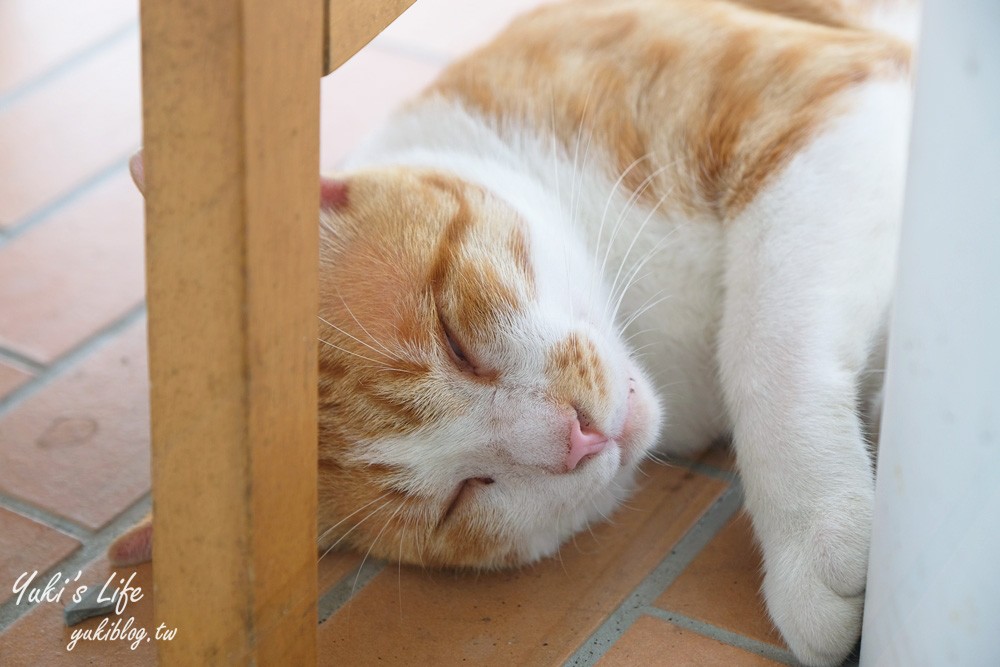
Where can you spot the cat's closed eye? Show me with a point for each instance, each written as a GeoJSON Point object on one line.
{"type": "Point", "coordinates": [457, 351]}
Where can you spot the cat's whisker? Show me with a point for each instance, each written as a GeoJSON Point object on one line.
{"type": "Point", "coordinates": [621, 501]}
{"type": "Point", "coordinates": [658, 458]}
{"type": "Point", "coordinates": [377, 363]}
{"type": "Point", "coordinates": [623, 215]}
{"type": "Point", "coordinates": [627, 209]}
{"type": "Point", "coordinates": [641, 311]}
{"type": "Point", "coordinates": [621, 297]}
{"type": "Point", "coordinates": [630, 277]}
{"type": "Point", "coordinates": [391, 354]}
{"type": "Point", "coordinates": [356, 339]}
{"type": "Point", "coordinates": [623, 327]}
{"type": "Point", "coordinates": [636, 334]}
{"type": "Point", "coordinates": [360, 509]}
{"type": "Point", "coordinates": [635, 238]}
{"type": "Point", "coordinates": [356, 525]}
{"type": "Point", "coordinates": [354, 586]}
{"type": "Point", "coordinates": [604, 214]}
{"type": "Point", "coordinates": [637, 351]}
{"type": "Point", "coordinates": [607, 519]}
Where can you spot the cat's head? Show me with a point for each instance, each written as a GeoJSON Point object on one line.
{"type": "Point", "coordinates": [477, 405]}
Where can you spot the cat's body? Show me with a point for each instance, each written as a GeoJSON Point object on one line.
{"type": "Point", "coordinates": [622, 123]}
{"type": "Point", "coordinates": [725, 179]}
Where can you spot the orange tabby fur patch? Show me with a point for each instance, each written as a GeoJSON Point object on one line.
{"type": "Point", "coordinates": [578, 376]}
{"type": "Point", "coordinates": [725, 91]}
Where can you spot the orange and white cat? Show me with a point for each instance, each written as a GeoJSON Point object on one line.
{"type": "Point", "coordinates": [717, 183]}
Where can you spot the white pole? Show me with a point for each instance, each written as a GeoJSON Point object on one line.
{"type": "Point", "coordinates": [934, 576]}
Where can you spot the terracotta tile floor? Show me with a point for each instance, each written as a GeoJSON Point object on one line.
{"type": "Point", "coordinates": [671, 581]}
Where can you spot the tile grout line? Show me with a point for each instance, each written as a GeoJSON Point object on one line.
{"type": "Point", "coordinates": [349, 585]}
{"type": "Point", "coordinates": [25, 363]}
{"type": "Point", "coordinates": [69, 63]}
{"type": "Point", "coordinates": [689, 546]}
{"type": "Point", "coordinates": [94, 547]}
{"type": "Point", "coordinates": [75, 192]}
{"type": "Point", "coordinates": [704, 629]}
{"type": "Point", "coordinates": [45, 517]}
{"type": "Point", "coordinates": [72, 357]}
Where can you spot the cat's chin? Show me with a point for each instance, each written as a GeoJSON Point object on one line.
{"type": "Point", "coordinates": [610, 478]}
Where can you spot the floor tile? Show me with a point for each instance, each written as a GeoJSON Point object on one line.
{"type": "Point", "coordinates": [447, 29]}
{"type": "Point", "coordinates": [11, 376]}
{"type": "Point", "coordinates": [54, 139]}
{"type": "Point", "coordinates": [536, 615]}
{"type": "Point", "coordinates": [27, 546]}
{"type": "Point", "coordinates": [41, 637]}
{"type": "Point", "coordinates": [359, 95]}
{"type": "Point", "coordinates": [651, 641]}
{"type": "Point", "coordinates": [65, 279]}
{"type": "Point", "coordinates": [37, 35]}
{"type": "Point", "coordinates": [721, 586]}
{"type": "Point", "coordinates": [80, 446]}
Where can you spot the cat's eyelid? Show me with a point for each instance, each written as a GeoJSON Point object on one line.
{"type": "Point", "coordinates": [466, 363]}
{"type": "Point", "coordinates": [455, 348]}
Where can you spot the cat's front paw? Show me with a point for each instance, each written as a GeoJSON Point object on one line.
{"type": "Point", "coordinates": [815, 592]}
{"type": "Point", "coordinates": [819, 625]}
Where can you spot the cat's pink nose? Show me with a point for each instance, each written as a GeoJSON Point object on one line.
{"type": "Point", "coordinates": [583, 441]}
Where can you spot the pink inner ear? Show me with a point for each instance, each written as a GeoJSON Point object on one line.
{"type": "Point", "coordinates": [333, 192]}
{"type": "Point", "coordinates": [135, 168]}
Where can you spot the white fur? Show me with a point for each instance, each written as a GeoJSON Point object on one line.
{"type": "Point", "coordinates": [768, 327]}
{"type": "Point", "coordinates": [809, 276]}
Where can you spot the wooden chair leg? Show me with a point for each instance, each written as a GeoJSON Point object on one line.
{"type": "Point", "coordinates": [231, 112]}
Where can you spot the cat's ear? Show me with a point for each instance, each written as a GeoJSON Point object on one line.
{"type": "Point", "coordinates": [135, 546]}
{"type": "Point", "coordinates": [138, 174]}
{"type": "Point", "coordinates": [333, 192]}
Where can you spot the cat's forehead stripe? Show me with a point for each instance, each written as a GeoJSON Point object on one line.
{"type": "Point", "coordinates": [517, 243]}
{"type": "Point", "coordinates": [479, 289]}
{"type": "Point", "coordinates": [454, 232]}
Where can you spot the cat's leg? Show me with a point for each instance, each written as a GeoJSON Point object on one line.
{"type": "Point", "coordinates": [809, 275]}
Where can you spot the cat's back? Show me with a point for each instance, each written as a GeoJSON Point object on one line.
{"type": "Point", "coordinates": [705, 99]}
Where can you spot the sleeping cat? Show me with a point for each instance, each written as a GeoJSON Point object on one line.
{"type": "Point", "coordinates": [715, 183]}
